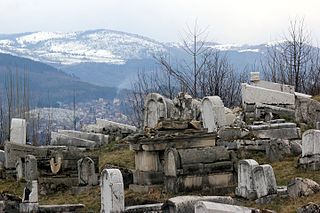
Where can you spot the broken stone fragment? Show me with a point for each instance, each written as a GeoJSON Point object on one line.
{"type": "Point", "coordinates": [299, 187]}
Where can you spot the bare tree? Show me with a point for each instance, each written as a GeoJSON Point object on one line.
{"type": "Point", "coordinates": [288, 62]}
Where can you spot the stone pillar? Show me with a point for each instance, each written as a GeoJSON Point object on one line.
{"type": "Point", "coordinates": [264, 180]}
{"type": "Point", "coordinates": [18, 131]}
{"type": "Point", "coordinates": [245, 182]}
{"type": "Point", "coordinates": [86, 172]}
{"type": "Point", "coordinates": [213, 113]}
{"type": "Point", "coordinates": [30, 198]}
{"type": "Point", "coordinates": [31, 168]}
{"type": "Point", "coordinates": [112, 191]}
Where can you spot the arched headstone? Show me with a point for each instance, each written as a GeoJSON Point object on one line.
{"type": "Point", "coordinates": [311, 142]}
{"type": "Point", "coordinates": [213, 113]}
{"type": "Point", "coordinates": [172, 162]}
{"type": "Point", "coordinates": [112, 191]}
{"type": "Point", "coordinates": [264, 180]}
{"type": "Point", "coordinates": [245, 182]}
{"type": "Point", "coordinates": [156, 107]}
{"type": "Point", "coordinates": [20, 169]}
{"type": "Point", "coordinates": [86, 172]}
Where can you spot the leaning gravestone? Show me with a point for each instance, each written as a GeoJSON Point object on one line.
{"type": "Point", "coordinates": [112, 191]}
{"type": "Point", "coordinates": [18, 131]}
{"type": "Point", "coordinates": [31, 168]}
{"type": "Point", "coordinates": [264, 180]}
{"type": "Point", "coordinates": [213, 113]}
{"type": "Point", "coordinates": [310, 158]}
{"type": "Point", "coordinates": [245, 182]}
{"type": "Point", "coordinates": [86, 172]}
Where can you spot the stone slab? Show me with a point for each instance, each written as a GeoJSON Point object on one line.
{"type": "Point", "coordinates": [211, 207]}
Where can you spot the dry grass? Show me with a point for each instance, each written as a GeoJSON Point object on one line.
{"type": "Point", "coordinates": [316, 97]}
{"type": "Point", "coordinates": [11, 187]}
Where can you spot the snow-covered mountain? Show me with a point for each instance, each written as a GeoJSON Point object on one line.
{"type": "Point", "coordinates": [101, 46]}
{"type": "Point", "coordinates": [107, 57]}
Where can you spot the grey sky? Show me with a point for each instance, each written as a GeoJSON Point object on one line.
{"type": "Point", "coordinates": [229, 21]}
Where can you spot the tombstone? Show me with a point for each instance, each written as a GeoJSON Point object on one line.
{"type": "Point", "coordinates": [172, 162]}
{"type": "Point", "coordinates": [318, 125]}
{"type": "Point", "coordinates": [245, 182]}
{"type": "Point", "coordinates": [86, 172]}
{"type": "Point", "coordinates": [212, 207]}
{"type": "Point", "coordinates": [112, 191]}
{"type": "Point", "coordinates": [31, 168]}
{"type": "Point", "coordinates": [264, 180]}
{"type": "Point", "coordinates": [213, 113]}
{"type": "Point", "coordinates": [2, 156]}
{"type": "Point", "coordinates": [20, 170]}
{"type": "Point", "coordinates": [311, 142]}
{"type": "Point", "coordinates": [156, 107]}
{"type": "Point", "coordinates": [18, 131]}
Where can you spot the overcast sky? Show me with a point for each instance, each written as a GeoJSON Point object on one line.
{"type": "Point", "coordinates": [229, 21]}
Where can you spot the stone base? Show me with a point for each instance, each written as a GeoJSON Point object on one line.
{"type": "Point", "coordinates": [266, 199]}
{"type": "Point", "coordinates": [147, 178]}
{"type": "Point", "coordinates": [144, 188]}
{"type": "Point", "coordinates": [29, 207]}
{"type": "Point", "coordinates": [243, 192]}
{"type": "Point", "coordinates": [61, 208]}
{"type": "Point", "coordinates": [218, 183]}
{"type": "Point", "coordinates": [310, 163]}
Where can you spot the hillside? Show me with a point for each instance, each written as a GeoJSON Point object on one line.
{"type": "Point", "coordinates": [48, 83]}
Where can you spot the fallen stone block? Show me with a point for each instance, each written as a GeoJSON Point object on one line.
{"type": "Point", "coordinates": [211, 207]}
{"type": "Point", "coordinates": [60, 139]}
{"type": "Point", "coordinates": [299, 187]}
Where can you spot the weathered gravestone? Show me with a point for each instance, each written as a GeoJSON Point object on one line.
{"type": "Point", "coordinates": [86, 172]}
{"type": "Point", "coordinates": [156, 107]}
{"type": "Point", "coordinates": [186, 108]}
{"type": "Point", "coordinates": [212, 207]}
{"type": "Point", "coordinates": [213, 113]}
{"type": "Point", "coordinates": [112, 191]}
{"type": "Point", "coordinates": [18, 131]}
{"type": "Point", "coordinates": [310, 158]}
{"type": "Point", "coordinates": [30, 198]}
{"type": "Point", "coordinates": [245, 182]}
{"type": "Point", "coordinates": [31, 168]}
{"type": "Point", "coordinates": [264, 181]}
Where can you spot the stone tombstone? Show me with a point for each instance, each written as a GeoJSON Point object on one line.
{"type": "Point", "coordinates": [311, 142]}
{"type": "Point", "coordinates": [156, 107]}
{"type": "Point", "coordinates": [20, 170]}
{"type": "Point", "coordinates": [18, 131]}
{"type": "Point", "coordinates": [245, 182]}
{"type": "Point", "coordinates": [264, 180]}
{"type": "Point", "coordinates": [2, 157]}
{"type": "Point", "coordinates": [31, 168]}
{"type": "Point", "coordinates": [86, 172]}
{"type": "Point", "coordinates": [171, 162]}
{"type": "Point", "coordinates": [213, 113]}
{"type": "Point", "coordinates": [213, 207]}
{"type": "Point", "coordinates": [112, 191]}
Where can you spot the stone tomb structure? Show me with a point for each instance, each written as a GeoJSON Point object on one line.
{"type": "Point", "coordinates": [310, 158]}
{"type": "Point", "coordinates": [198, 169]}
{"type": "Point", "coordinates": [255, 181]}
{"type": "Point", "coordinates": [150, 153]}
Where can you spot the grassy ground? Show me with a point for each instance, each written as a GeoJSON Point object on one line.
{"type": "Point", "coordinates": [284, 171]}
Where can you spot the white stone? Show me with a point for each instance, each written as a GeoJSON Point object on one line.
{"type": "Point", "coordinates": [147, 161]}
{"type": "Point", "coordinates": [212, 207]}
{"type": "Point", "coordinates": [254, 76]}
{"type": "Point", "coordinates": [253, 94]}
{"type": "Point", "coordinates": [264, 180]}
{"type": "Point", "coordinates": [18, 131]}
{"type": "Point", "coordinates": [108, 124]}
{"type": "Point", "coordinates": [33, 196]}
{"type": "Point", "coordinates": [99, 138]}
{"type": "Point", "coordinates": [213, 113]}
{"type": "Point", "coordinates": [274, 86]}
{"type": "Point", "coordinates": [19, 169]}
{"type": "Point", "coordinates": [112, 191]}
{"type": "Point", "coordinates": [311, 142]}
{"type": "Point", "coordinates": [245, 182]}
{"type": "Point", "coordinates": [156, 107]}
{"type": "Point", "coordinates": [230, 116]}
